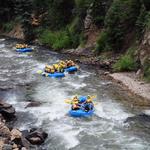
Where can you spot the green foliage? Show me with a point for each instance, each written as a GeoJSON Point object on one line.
{"type": "Point", "coordinates": [56, 40]}
{"type": "Point", "coordinates": [147, 74]}
{"type": "Point", "coordinates": [141, 22]}
{"type": "Point", "coordinates": [147, 70]}
{"type": "Point", "coordinates": [125, 63]}
{"type": "Point", "coordinates": [147, 18]}
{"type": "Point", "coordinates": [59, 13]}
{"type": "Point", "coordinates": [75, 31]}
{"type": "Point", "coordinates": [99, 10]}
{"type": "Point", "coordinates": [146, 4]}
{"type": "Point", "coordinates": [101, 42]}
{"type": "Point", "coordinates": [81, 7]}
{"type": "Point", "coordinates": [7, 27]}
{"type": "Point", "coordinates": [120, 20]}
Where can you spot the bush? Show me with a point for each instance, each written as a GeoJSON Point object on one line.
{"type": "Point", "coordinates": [101, 42]}
{"type": "Point", "coordinates": [119, 21]}
{"type": "Point", "coordinates": [56, 40]}
{"type": "Point", "coordinates": [147, 70]}
{"type": "Point", "coordinates": [99, 10]}
{"type": "Point", "coordinates": [8, 26]}
{"type": "Point", "coordinates": [147, 74]}
{"type": "Point", "coordinates": [125, 63]}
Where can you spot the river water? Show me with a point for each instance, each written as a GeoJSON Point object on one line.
{"type": "Point", "coordinates": [106, 130]}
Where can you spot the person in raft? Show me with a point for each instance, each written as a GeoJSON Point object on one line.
{"type": "Point", "coordinates": [87, 104]}
{"type": "Point", "coordinates": [75, 103]}
{"type": "Point", "coordinates": [21, 45]}
{"type": "Point", "coordinates": [58, 68]}
{"type": "Point", "coordinates": [63, 64]}
{"type": "Point", "coordinates": [49, 69]}
{"type": "Point", "coordinates": [70, 63]}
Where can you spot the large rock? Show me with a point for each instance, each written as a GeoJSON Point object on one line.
{"type": "Point", "coordinates": [18, 139]}
{"type": "Point", "coordinates": [1, 143]}
{"type": "Point", "coordinates": [4, 131]}
{"type": "Point", "coordinates": [141, 120]}
{"type": "Point", "coordinates": [33, 104]}
{"type": "Point", "coordinates": [36, 136]}
{"type": "Point", "coordinates": [15, 134]}
{"type": "Point", "coordinates": [7, 110]}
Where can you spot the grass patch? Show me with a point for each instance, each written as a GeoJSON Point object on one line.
{"type": "Point", "coordinates": [125, 63]}
{"type": "Point", "coordinates": [56, 40]}
{"type": "Point", "coordinates": [7, 27]}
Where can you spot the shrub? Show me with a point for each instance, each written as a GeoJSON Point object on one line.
{"type": "Point", "coordinates": [56, 40]}
{"type": "Point", "coordinates": [101, 42]}
{"type": "Point", "coordinates": [99, 10]}
{"type": "Point", "coordinates": [125, 63]}
{"type": "Point", "coordinates": [8, 26]}
{"type": "Point", "coordinates": [119, 21]}
{"type": "Point", "coordinates": [147, 70]}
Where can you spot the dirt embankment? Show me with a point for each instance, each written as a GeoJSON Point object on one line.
{"type": "Point", "coordinates": [132, 83]}
{"type": "Point", "coordinates": [16, 32]}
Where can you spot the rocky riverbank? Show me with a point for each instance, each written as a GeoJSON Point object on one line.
{"type": "Point", "coordinates": [14, 139]}
{"type": "Point", "coordinates": [130, 81]}
{"type": "Point", "coordinates": [86, 56]}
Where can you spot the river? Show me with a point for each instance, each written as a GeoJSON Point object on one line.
{"type": "Point", "coordinates": [106, 130]}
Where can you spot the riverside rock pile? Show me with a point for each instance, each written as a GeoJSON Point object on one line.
{"type": "Point", "coordinates": [14, 139]}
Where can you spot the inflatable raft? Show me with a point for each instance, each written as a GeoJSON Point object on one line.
{"type": "Point", "coordinates": [53, 75]}
{"type": "Point", "coordinates": [82, 112]}
{"type": "Point", "coordinates": [23, 50]}
{"type": "Point", "coordinates": [71, 69]}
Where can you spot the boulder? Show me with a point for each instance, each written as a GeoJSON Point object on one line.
{"type": "Point", "coordinates": [7, 110]}
{"type": "Point", "coordinates": [4, 131]}
{"type": "Point", "coordinates": [140, 118]}
{"type": "Point", "coordinates": [1, 143]}
{"type": "Point", "coordinates": [18, 139]}
{"type": "Point", "coordinates": [33, 104]}
{"type": "Point", "coordinates": [36, 136]}
{"type": "Point", "coordinates": [25, 143]}
{"type": "Point", "coordinates": [15, 134]}
{"type": "Point", "coordinates": [36, 140]}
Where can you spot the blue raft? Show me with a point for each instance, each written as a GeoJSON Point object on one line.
{"type": "Point", "coordinates": [81, 112]}
{"type": "Point", "coordinates": [71, 69]}
{"type": "Point", "coordinates": [54, 75]}
{"type": "Point", "coordinates": [23, 50]}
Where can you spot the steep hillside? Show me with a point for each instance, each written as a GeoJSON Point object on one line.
{"type": "Point", "coordinates": [121, 27]}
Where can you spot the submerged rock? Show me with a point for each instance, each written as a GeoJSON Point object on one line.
{"type": "Point", "coordinates": [143, 118]}
{"type": "Point", "coordinates": [33, 104]}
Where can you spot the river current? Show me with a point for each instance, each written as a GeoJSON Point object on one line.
{"type": "Point", "coordinates": [106, 130]}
